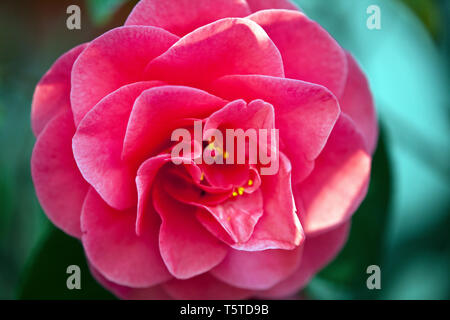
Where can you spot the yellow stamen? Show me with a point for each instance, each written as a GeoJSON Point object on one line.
{"type": "Point", "coordinates": [234, 194]}
{"type": "Point", "coordinates": [202, 177]}
{"type": "Point", "coordinates": [225, 155]}
{"type": "Point", "coordinates": [241, 190]}
{"type": "Point", "coordinates": [250, 182]}
{"type": "Point", "coordinates": [211, 146]}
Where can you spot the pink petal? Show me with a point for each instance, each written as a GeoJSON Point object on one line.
{"type": "Point", "coordinates": [257, 270]}
{"type": "Point", "coordinates": [98, 142]}
{"type": "Point", "coordinates": [187, 248]}
{"type": "Point", "coordinates": [52, 93]}
{"type": "Point", "coordinates": [183, 16]}
{"type": "Point", "coordinates": [213, 226]}
{"type": "Point", "coordinates": [319, 251]}
{"type": "Point", "coordinates": [279, 227]}
{"type": "Point", "coordinates": [59, 185]}
{"type": "Point", "coordinates": [304, 113]}
{"type": "Point", "coordinates": [236, 115]}
{"type": "Point", "coordinates": [144, 181]}
{"type": "Point", "coordinates": [227, 46]}
{"type": "Point", "coordinates": [113, 60]}
{"type": "Point", "coordinates": [204, 287]}
{"type": "Point", "coordinates": [114, 249]}
{"type": "Point", "coordinates": [256, 5]}
{"type": "Point", "coordinates": [309, 52]}
{"type": "Point", "coordinates": [240, 115]}
{"type": "Point", "coordinates": [237, 215]}
{"type": "Point", "coordinates": [339, 182]}
{"type": "Point", "coordinates": [182, 188]}
{"type": "Point", "coordinates": [123, 292]}
{"type": "Point", "coordinates": [226, 175]}
{"type": "Point", "coordinates": [157, 113]}
{"type": "Point", "coordinates": [357, 102]}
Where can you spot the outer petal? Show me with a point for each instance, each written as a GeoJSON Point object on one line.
{"type": "Point", "coordinates": [256, 5]}
{"type": "Point", "coordinates": [309, 52]}
{"type": "Point", "coordinates": [257, 270]}
{"type": "Point", "coordinates": [304, 113]}
{"type": "Point", "coordinates": [319, 251]}
{"type": "Point", "coordinates": [187, 248]}
{"type": "Point", "coordinates": [204, 287]}
{"type": "Point", "coordinates": [59, 185]}
{"type": "Point", "coordinates": [357, 102]}
{"type": "Point", "coordinates": [114, 249]}
{"type": "Point", "coordinates": [122, 292]}
{"type": "Point", "coordinates": [52, 93]}
{"type": "Point", "coordinates": [113, 60]}
{"type": "Point", "coordinates": [158, 111]}
{"type": "Point", "coordinates": [227, 46]}
{"type": "Point", "coordinates": [98, 142]}
{"type": "Point", "coordinates": [279, 227]}
{"type": "Point", "coordinates": [339, 182]}
{"type": "Point", "coordinates": [182, 16]}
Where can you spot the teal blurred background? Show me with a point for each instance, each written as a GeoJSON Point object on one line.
{"type": "Point", "coordinates": [403, 225]}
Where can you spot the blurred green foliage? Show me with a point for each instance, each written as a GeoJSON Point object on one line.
{"type": "Point", "coordinates": [31, 38]}
{"type": "Point", "coordinates": [102, 11]}
{"type": "Point", "coordinates": [45, 275]}
{"type": "Point", "coordinates": [403, 223]}
{"type": "Point", "coordinates": [428, 13]}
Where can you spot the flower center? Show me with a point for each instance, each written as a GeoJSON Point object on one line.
{"type": "Point", "coordinates": [240, 190]}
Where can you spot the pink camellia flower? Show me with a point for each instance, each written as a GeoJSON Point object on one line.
{"type": "Point", "coordinates": [103, 116]}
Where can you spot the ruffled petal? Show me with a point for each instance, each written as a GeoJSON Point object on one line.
{"type": "Point", "coordinates": [183, 16]}
{"type": "Point", "coordinates": [240, 115]}
{"type": "Point", "coordinates": [257, 270]}
{"type": "Point", "coordinates": [59, 185]}
{"type": "Point", "coordinates": [144, 183]}
{"type": "Point", "coordinates": [339, 182]}
{"type": "Point", "coordinates": [357, 103]}
{"type": "Point", "coordinates": [304, 113]}
{"type": "Point", "coordinates": [227, 46]}
{"type": "Point", "coordinates": [113, 60]}
{"type": "Point", "coordinates": [237, 216]}
{"type": "Point", "coordinates": [237, 115]}
{"type": "Point", "coordinates": [256, 5]}
{"type": "Point", "coordinates": [98, 143]}
{"type": "Point", "coordinates": [187, 248]}
{"type": "Point", "coordinates": [157, 112]}
{"type": "Point", "coordinates": [145, 178]}
{"type": "Point", "coordinates": [225, 175]}
{"type": "Point", "coordinates": [319, 251]}
{"type": "Point", "coordinates": [279, 226]}
{"type": "Point", "coordinates": [181, 187]}
{"type": "Point", "coordinates": [204, 287]}
{"type": "Point", "coordinates": [309, 52]}
{"type": "Point", "coordinates": [52, 93]}
{"type": "Point", "coordinates": [114, 249]}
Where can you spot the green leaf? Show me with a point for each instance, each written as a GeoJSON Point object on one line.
{"type": "Point", "coordinates": [102, 11]}
{"type": "Point", "coordinates": [45, 275]}
{"type": "Point", "coordinates": [346, 276]}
